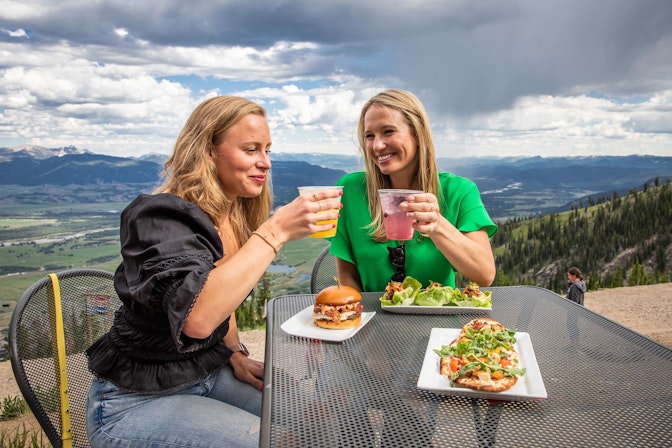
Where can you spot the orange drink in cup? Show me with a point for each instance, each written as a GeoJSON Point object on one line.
{"type": "Point", "coordinates": [397, 225]}
{"type": "Point", "coordinates": [309, 191]}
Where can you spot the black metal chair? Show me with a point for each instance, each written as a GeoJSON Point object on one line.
{"type": "Point", "coordinates": [55, 320]}
{"type": "Point", "coordinates": [324, 271]}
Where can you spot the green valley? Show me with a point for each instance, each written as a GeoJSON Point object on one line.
{"type": "Point", "coordinates": [622, 241]}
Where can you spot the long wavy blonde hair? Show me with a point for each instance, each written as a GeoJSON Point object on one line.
{"type": "Point", "coordinates": [426, 178]}
{"type": "Point", "coordinates": [190, 173]}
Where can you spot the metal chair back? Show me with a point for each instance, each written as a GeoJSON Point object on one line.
{"type": "Point", "coordinates": [324, 271]}
{"type": "Point", "coordinates": [54, 322]}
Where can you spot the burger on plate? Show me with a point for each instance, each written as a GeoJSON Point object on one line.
{"type": "Point", "coordinates": [338, 307]}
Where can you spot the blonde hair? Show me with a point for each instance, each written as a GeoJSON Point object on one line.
{"type": "Point", "coordinates": [190, 173]}
{"type": "Point", "coordinates": [427, 176]}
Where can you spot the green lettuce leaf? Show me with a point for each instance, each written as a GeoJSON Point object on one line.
{"type": "Point", "coordinates": [410, 282]}
{"type": "Point", "coordinates": [434, 295]}
{"type": "Point", "coordinates": [405, 297]}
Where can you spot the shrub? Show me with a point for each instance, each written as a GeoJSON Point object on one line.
{"type": "Point", "coordinates": [12, 407]}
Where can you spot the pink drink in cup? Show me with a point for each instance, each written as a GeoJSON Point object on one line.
{"type": "Point", "coordinates": [397, 225]}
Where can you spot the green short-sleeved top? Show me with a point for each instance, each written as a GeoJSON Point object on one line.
{"type": "Point", "coordinates": [461, 206]}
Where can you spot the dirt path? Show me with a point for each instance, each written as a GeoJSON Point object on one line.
{"type": "Point", "coordinates": [644, 309]}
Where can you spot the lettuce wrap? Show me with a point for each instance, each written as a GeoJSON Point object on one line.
{"type": "Point", "coordinates": [410, 292]}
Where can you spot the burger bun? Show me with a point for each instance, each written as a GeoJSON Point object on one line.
{"type": "Point", "coordinates": [337, 295]}
{"type": "Point", "coordinates": [334, 303]}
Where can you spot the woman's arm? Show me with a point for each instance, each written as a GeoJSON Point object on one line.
{"type": "Point", "coordinates": [234, 277]}
{"type": "Point", "coordinates": [470, 253]}
{"type": "Point", "coordinates": [230, 283]}
{"type": "Point", "coordinates": [244, 368]}
{"type": "Point", "coordinates": [347, 274]}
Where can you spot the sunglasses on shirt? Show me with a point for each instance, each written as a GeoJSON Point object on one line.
{"type": "Point", "coordinates": [398, 260]}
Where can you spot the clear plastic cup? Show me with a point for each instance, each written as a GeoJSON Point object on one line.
{"type": "Point", "coordinates": [309, 191]}
{"type": "Point", "coordinates": [398, 226]}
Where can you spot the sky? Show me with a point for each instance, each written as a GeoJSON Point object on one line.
{"type": "Point", "coordinates": [497, 77]}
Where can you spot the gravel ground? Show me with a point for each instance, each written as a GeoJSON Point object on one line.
{"type": "Point", "coordinates": [644, 309]}
{"type": "Point", "coordinates": [255, 341]}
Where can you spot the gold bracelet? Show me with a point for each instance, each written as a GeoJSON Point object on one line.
{"type": "Point", "coordinates": [266, 241]}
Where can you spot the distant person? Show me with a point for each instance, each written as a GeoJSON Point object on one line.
{"type": "Point", "coordinates": [172, 370]}
{"type": "Point", "coordinates": [452, 227]}
{"type": "Point", "coordinates": [577, 287]}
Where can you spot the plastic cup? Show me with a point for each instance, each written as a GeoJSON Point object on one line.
{"type": "Point", "coordinates": [398, 226]}
{"type": "Point", "coordinates": [309, 191]}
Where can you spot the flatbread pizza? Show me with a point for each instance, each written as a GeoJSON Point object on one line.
{"type": "Point", "coordinates": [482, 357]}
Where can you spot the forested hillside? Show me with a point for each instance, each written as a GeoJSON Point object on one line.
{"type": "Point", "coordinates": [624, 241]}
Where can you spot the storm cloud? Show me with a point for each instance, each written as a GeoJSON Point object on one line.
{"type": "Point", "coordinates": [497, 76]}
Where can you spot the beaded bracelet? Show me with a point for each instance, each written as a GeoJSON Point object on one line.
{"type": "Point", "coordinates": [266, 241]}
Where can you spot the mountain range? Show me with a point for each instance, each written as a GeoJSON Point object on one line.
{"type": "Point", "coordinates": [514, 186]}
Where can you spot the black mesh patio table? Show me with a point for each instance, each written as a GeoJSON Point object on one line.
{"type": "Point", "coordinates": [607, 386]}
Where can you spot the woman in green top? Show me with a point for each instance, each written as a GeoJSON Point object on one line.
{"type": "Point", "coordinates": [452, 227]}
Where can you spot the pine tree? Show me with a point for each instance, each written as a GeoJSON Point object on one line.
{"type": "Point", "coordinates": [632, 234]}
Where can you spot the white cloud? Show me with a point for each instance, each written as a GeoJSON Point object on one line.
{"type": "Point", "coordinates": [497, 78]}
{"type": "Point", "coordinates": [21, 10]}
{"type": "Point", "coordinates": [565, 126]}
{"type": "Point", "coordinates": [16, 33]}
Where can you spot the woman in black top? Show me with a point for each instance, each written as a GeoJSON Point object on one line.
{"type": "Point", "coordinates": [172, 371]}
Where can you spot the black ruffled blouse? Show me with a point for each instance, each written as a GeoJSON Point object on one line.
{"type": "Point", "coordinates": [169, 247]}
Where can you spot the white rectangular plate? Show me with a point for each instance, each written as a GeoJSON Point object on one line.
{"type": "Point", "coordinates": [301, 324]}
{"type": "Point", "coordinates": [417, 309]}
{"type": "Point", "coordinates": [529, 386]}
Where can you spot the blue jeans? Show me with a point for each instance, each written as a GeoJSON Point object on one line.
{"type": "Point", "coordinates": [218, 411]}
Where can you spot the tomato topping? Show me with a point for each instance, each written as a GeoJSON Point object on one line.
{"type": "Point", "coordinates": [454, 364]}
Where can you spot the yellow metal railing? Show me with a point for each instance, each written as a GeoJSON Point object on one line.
{"type": "Point", "coordinates": [60, 363]}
